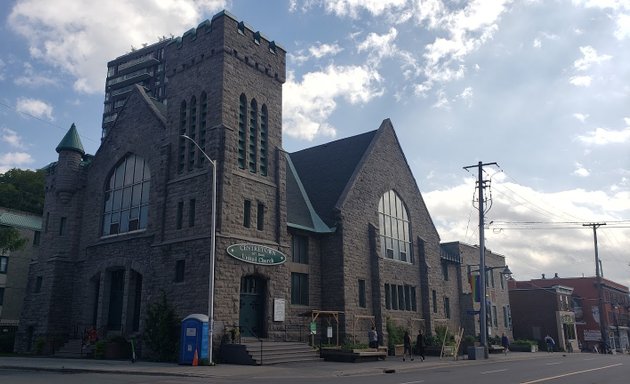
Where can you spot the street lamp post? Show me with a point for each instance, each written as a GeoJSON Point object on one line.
{"type": "Point", "coordinates": [483, 310]}
{"type": "Point", "coordinates": [213, 234]}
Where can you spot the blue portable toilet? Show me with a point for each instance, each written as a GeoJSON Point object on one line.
{"type": "Point", "coordinates": [193, 337]}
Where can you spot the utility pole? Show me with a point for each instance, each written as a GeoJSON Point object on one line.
{"type": "Point", "coordinates": [483, 312]}
{"type": "Point", "coordinates": [600, 293]}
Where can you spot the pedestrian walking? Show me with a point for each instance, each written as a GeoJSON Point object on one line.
{"type": "Point", "coordinates": [420, 344]}
{"type": "Point", "coordinates": [505, 342]}
{"type": "Point", "coordinates": [373, 338]}
{"type": "Point", "coordinates": [550, 343]}
{"type": "Point", "coordinates": [407, 346]}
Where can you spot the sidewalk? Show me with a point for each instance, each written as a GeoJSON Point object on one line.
{"type": "Point", "coordinates": [297, 370]}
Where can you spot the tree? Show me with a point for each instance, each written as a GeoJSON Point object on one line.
{"type": "Point", "coordinates": [162, 329]}
{"type": "Point", "coordinates": [10, 240]}
{"type": "Point", "coordinates": [22, 190]}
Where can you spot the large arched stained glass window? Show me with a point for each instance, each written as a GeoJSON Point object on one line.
{"type": "Point", "coordinates": [394, 227]}
{"type": "Point", "coordinates": [127, 197]}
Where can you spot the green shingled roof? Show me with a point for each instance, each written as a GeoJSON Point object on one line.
{"type": "Point", "coordinates": [21, 221]}
{"type": "Point", "coordinates": [71, 141]}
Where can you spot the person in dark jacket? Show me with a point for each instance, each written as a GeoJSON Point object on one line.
{"type": "Point", "coordinates": [407, 346]}
{"type": "Point", "coordinates": [420, 344]}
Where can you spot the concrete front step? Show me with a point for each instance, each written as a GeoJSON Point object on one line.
{"type": "Point", "coordinates": [73, 348]}
{"type": "Point", "coordinates": [279, 352]}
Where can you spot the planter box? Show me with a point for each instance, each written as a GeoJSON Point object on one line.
{"type": "Point", "coordinates": [523, 348]}
{"type": "Point", "coordinates": [476, 353]}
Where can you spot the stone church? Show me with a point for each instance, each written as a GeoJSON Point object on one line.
{"type": "Point", "coordinates": [339, 229]}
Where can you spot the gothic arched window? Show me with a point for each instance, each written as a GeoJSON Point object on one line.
{"type": "Point", "coordinates": [394, 227]}
{"type": "Point", "coordinates": [127, 197]}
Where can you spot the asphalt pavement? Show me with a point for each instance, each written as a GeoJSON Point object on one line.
{"type": "Point", "coordinates": [311, 369]}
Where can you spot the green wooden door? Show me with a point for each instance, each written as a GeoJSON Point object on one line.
{"type": "Point", "coordinates": [252, 306]}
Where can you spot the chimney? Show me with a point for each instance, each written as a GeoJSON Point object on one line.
{"type": "Point", "coordinates": [543, 276]}
{"type": "Point", "coordinates": [555, 276]}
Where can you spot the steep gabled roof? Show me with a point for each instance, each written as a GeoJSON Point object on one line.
{"type": "Point", "coordinates": [300, 211]}
{"type": "Point", "coordinates": [326, 169]}
{"type": "Point", "coordinates": [71, 141]}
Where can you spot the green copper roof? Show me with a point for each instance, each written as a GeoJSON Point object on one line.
{"type": "Point", "coordinates": [21, 221]}
{"type": "Point", "coordinates": [71, 141]}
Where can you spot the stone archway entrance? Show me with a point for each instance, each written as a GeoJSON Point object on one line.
{"type": "Point", "coordinates": [252, 306]}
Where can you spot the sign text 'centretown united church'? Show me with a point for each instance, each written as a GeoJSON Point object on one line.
{"type": "Point", "coordinates": [256, 254]}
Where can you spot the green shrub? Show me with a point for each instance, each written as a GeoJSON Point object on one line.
{"type": "Point", "coordinates": [99, 349]}
{"type": "Point", "coordinates": [395, 333]}
{"type": "Point", "coordinates": [40, 344]}
{"type": "Point", "coordinates": [161, 330]}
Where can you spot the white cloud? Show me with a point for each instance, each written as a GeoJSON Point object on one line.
{"type": "Point", "coordinates": [32, 79]}
{"type": "Point", "coordinates": [467, 96]}
{"type": "Point", "coordinates": [580, 81]}
{"type": "Point", "coordinates": [308, 104]}
{"type": "Point", "coordinates": [2, 66]}
{"type": "Point", "coordinates": [379, 46]}
{"type": "Point", "coordinates": [465, 30]}
{"type": "Point", "coordinates": [14, 160]}
{"type": "Point", "coordinates": [11, 137]}
{"type": "Point", "coordinates": [603, 136]}
{"type": "Point", "coordinates": [537, 43]}
{"type": "Point", "coordinates": [589, 57]}
{"type": "Point", "coordinates": [34, 107]}
{"type": "Point", "coordinates": [623, 27]}
{"type": "Point", "coordinates": [351, 8]}
{"type": "Point", "coordinates": [534, 249]}
{"type": "Point", "coordinates": [581, 117]}
{"type": "Point", "coordinates": [78, 39]}
{"type": "Point", "coordinates": [319, 51]}
{"type": "Point", "coordinates": [442, 101]}
{"type": "Point", "coordinates": [581, 171]}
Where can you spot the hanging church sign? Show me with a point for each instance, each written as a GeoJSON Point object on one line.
{"type": "Point", "coordinates": [256, 254]}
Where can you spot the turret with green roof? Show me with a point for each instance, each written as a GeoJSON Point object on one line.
{"type": "Point", "coordinates": [71, 141]}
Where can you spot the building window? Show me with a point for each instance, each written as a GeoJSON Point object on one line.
{"type": "Point", "coordinates": [37, 235]}
{"type": "Point", "coordinates": [505, 317]}
{"type": "Point", "coordinates": [192, 132]}
{"type": "Point", "coordinates": [202, 126]}
{"type": "Point", "coordinates": [299, 288]}
{"type": "Point", "coordinates": [247, 214]}
{"type": "Point", "coordinates": [4, 263]}
{"type": "Point", "coordinates": [299, 249]}
{"type": "Point", "coordinates": [242, 127]}
{"type": "Point", "coordinates": [414, 305]}
{"type": "Point", "coordinates": [127, 197]}
{"type": "Point", "coordinates": [253, 135]}
{"type": "Point", "coordinates": [180, 214]}
{"type": "Point", "coordinates": [407, 298]}
{"type": "Point", "coordinates": [62, 226]}
{"type": "Point", "coordinates": [260, 217]}
{"type": "Point", "coordinates": [388, 300]}
{"type": "Point", "coordinates": [495, 320]}
{"type": "Point", "coordinates": [394, 291]}
{"type": "Point", "coordinates": [181, 156]}
{"type": "Point", "coordinates": [180, 267]}
{"type": "Point", "coordinates": [362, 301]}
{"type": "Point", "coordinates": [191, 212]}
{"type": "Point", "coordinates": [1, 296]}
{"type": "Point", "coordinates": [445, 271]}
{"type": "Point", "coordinates": [394, 227]}
{"type": "Point", "coordinates": [264, 124]}
{"type": "Point", "coordinates": [447, 308]}
{"type": "Point", "coordinates": [38, 284]}
{"type": "Point", "coordinates": [434, 297]}
{"type": "Point", "coordinates": [502, 279]}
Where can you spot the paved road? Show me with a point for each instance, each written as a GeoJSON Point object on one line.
{"type": "Point", "coordinates": [540, 368]}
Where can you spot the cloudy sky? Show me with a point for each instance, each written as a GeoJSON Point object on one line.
{"type": "Point", "coordinates": [540, 87]}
